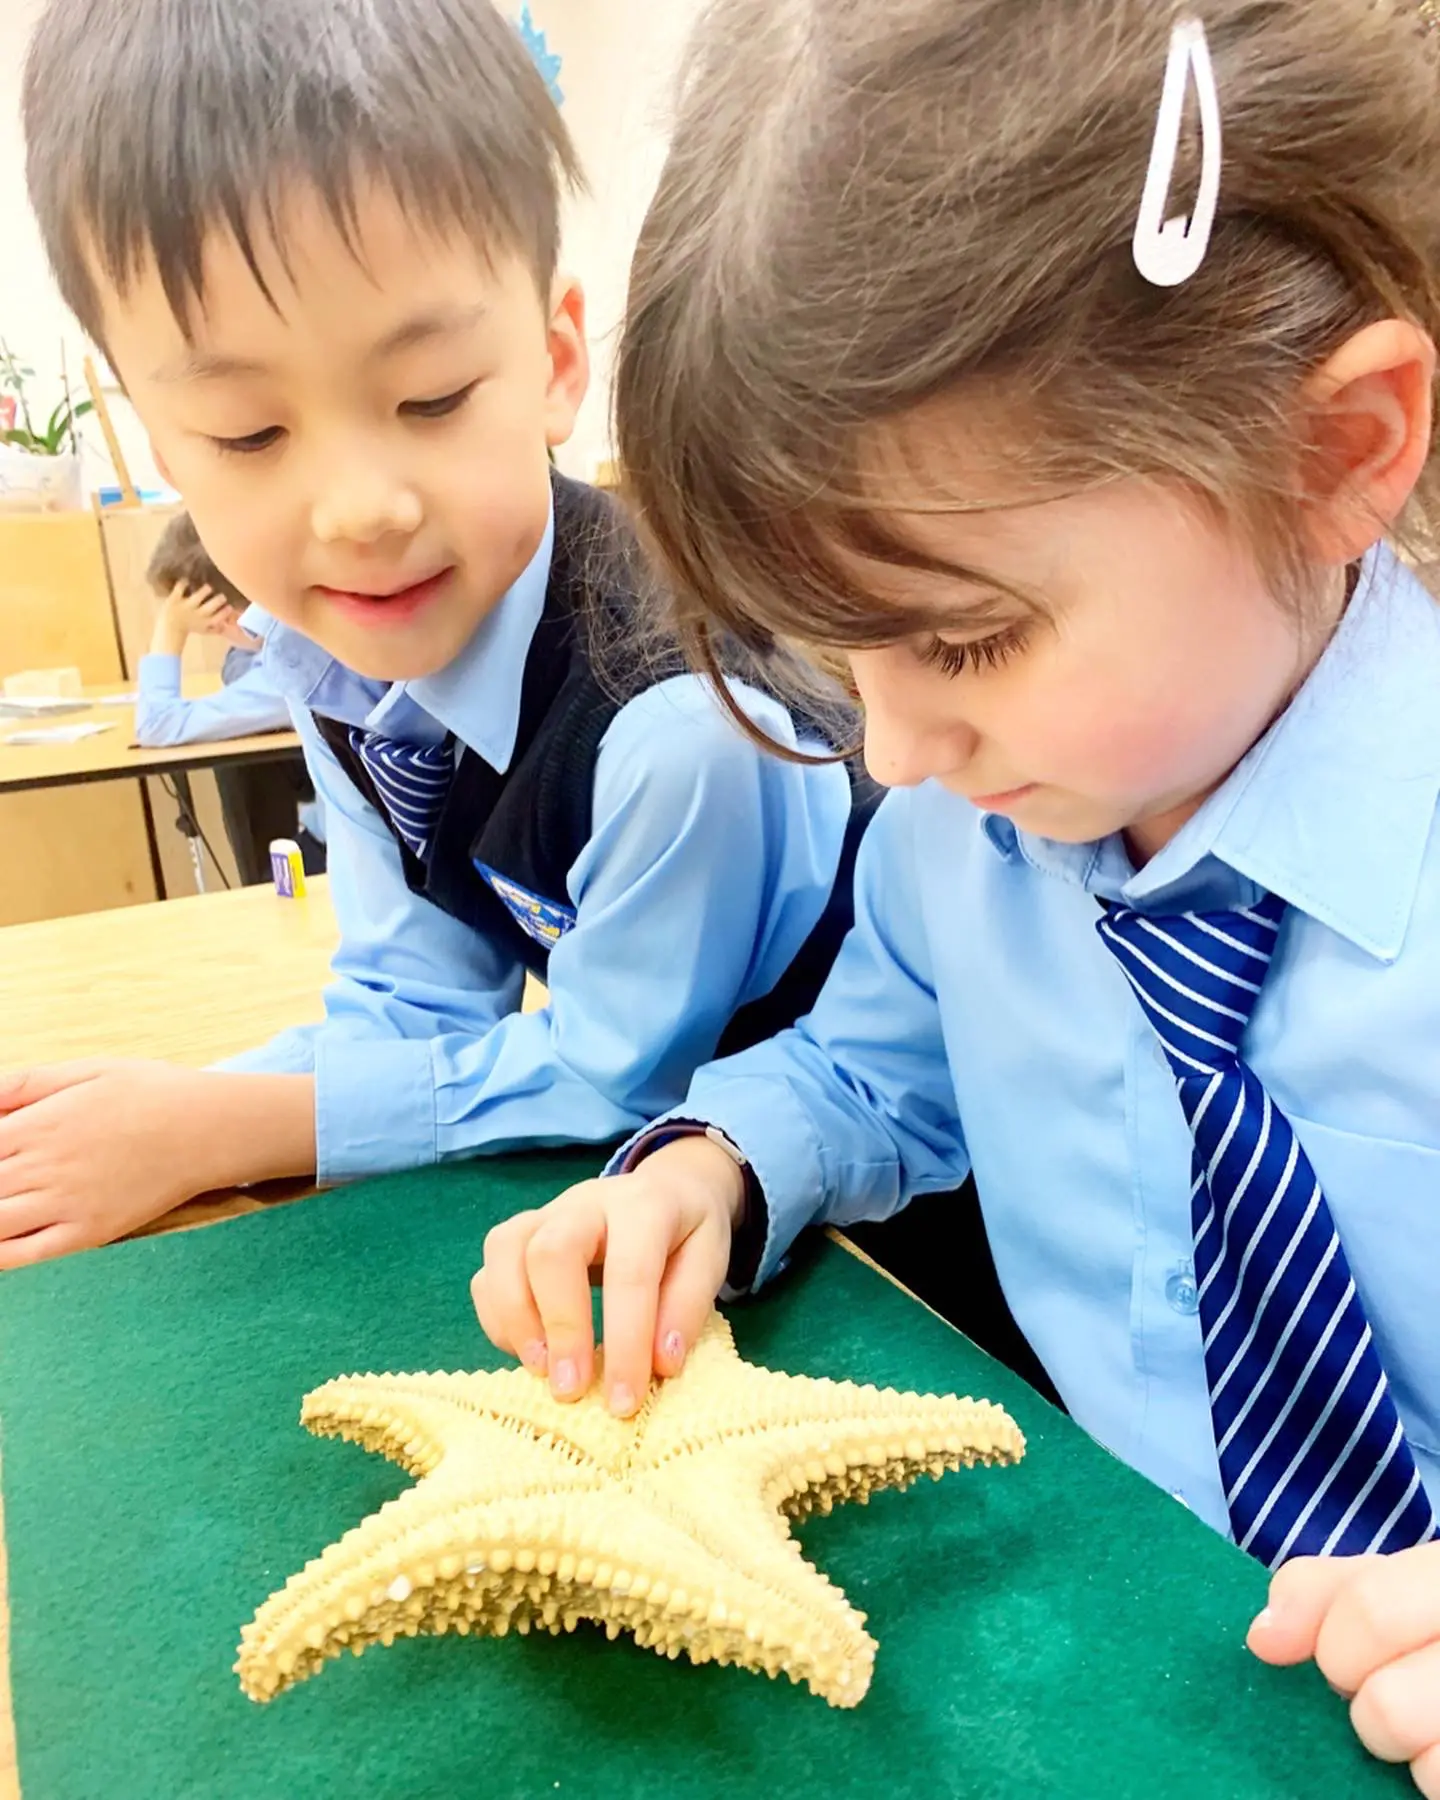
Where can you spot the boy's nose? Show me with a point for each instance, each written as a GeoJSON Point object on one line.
{"type": "Point", "coordinates": [362, 509]}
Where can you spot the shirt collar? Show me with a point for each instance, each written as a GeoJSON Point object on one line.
{"type": "Point", "coordinates": [476, 696]}
{"type": "Point", "coordinates": [1332, 809]}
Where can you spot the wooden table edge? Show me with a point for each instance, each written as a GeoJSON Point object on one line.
{"type": "Point", "coordinates": [175, 758]}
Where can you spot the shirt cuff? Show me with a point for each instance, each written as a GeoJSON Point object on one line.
{"type": "Point", "coordinates": [768, 1125]}
{"type": "Point", "coordinates": [159, 676]}
{"type": "Point", "coordinates": [747, 1241]}
{"type": "Point", "coordinates": [374, 1107]}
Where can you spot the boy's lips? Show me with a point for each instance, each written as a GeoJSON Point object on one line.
{"type": "Point", "coordinates": [397, 607]}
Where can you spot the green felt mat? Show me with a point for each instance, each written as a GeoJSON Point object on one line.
{"type": "Point", "coordinates": [1060, 1629]}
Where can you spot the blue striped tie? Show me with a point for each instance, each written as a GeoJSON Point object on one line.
{"type": "Point", "coordinates": [1312, 1453]}
{"type": "Point", "coordinates": [411, 779]}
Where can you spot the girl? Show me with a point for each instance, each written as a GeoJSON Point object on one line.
{"type": "Point", "coordinates": [1060, 373]}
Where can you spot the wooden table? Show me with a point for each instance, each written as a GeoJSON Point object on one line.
{"type": "Point", "coordinates": [67, 804]}
{"type": "Point", "coordinates": [190, 980]}
{"type": "Point", "coordinates": [115, 756]}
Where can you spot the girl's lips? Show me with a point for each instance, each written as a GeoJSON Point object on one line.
{"type": "Point", "coordinates": [998, 802]}
{"type": "Point", "coordinates": [382, 610]}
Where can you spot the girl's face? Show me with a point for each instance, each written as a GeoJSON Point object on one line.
{"type": "Point", "coordinates": [1153, 659]}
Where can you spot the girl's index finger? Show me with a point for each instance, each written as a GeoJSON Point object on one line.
{"type": "Point", "coordinates": [636, 1254]}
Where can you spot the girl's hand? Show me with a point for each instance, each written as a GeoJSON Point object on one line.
{"type": "Point", "coordinates": [1372, 1624]}
{"type": "Point", "coordinates": [658, 1241]}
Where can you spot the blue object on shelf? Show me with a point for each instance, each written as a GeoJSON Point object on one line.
{"type": "Point", "coordinates": [161, 496]}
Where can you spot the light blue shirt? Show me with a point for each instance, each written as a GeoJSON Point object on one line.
{"type": "Point", "coordinates": [975, 1019]}
{"type": "Point", "coordinates": [246, 707]}
{"type": "Point", "coordinates": [707, 867]}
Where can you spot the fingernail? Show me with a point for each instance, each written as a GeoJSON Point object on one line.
{"type": "Point", "coordinates": [674, 1347]}
{"type": "Point", "coordinates": [622, 1401]}
{"type": "Point", "coordinates": [1262, 1620]}
{"type": "Point", "coordinates": [535, 1356]}
{"type": "Point", "coordinates": [565, 1377]}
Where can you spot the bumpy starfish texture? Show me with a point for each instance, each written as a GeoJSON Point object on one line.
{"type": "Point", "coordinates": [672, 1525]}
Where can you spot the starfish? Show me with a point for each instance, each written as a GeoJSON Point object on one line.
{"type": "Point", "coordinates": [672, 1525]}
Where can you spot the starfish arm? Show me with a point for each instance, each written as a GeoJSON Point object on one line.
{"type": "Point", "coordinates": [673, 1525]}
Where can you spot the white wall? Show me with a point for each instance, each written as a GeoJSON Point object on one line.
{"type": "Point", "coordinates": [618, 59]}
{"type": "Point", "coordinates": [33, 319]}
{"type": "Point", "coordinates": [618, 63]}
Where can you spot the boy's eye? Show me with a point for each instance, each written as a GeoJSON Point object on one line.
{"type": "Point", "coordinates": [252, 443]}
{"type": "Point", "coordinates": [441, 407]}
{"type": "Point", "coordinates": [979, 653]}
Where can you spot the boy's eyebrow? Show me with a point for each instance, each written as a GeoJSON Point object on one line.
{"type": "Point", "coordinates": [215, 365]}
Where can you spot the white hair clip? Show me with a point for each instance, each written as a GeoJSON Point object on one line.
{"type": "Point", "coordinates": [1169, 251]}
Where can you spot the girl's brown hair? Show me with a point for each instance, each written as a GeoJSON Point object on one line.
{"type": "Point", "coordinates": [867, 207]}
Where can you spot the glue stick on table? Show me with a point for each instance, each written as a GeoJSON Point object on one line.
{"type": "Point", "coordinates": [287, 867]}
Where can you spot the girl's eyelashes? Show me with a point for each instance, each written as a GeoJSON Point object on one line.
{"type": "Point", "coordinates": [251, 444]}
{"type": "Point", "coordinates": [979, 653]}
{"type": "Point", "coordinates": [441, 407]}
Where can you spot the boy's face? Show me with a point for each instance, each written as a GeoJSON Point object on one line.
{"type": "Point", "coordinates": [365, 459]}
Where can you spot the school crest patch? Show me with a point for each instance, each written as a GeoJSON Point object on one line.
{"type": "Point", "coordinates": [538, 918]}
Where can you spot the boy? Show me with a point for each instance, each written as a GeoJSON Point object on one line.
{"type": "Point", "coordinates": [260, 801]}
{"type": "Point", "coordinates": [318, 241]}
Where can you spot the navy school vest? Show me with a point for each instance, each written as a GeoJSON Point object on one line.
{"type": "Point", "coordinates": [504, 844]}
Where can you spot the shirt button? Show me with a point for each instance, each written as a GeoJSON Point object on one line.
{"type": "Point", "coordinates": [1180, 1289]}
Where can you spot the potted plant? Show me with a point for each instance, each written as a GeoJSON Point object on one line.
{"type": "Point", "coordinates": [39, 463]}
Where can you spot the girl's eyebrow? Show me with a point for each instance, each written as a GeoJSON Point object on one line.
{"type": "Point", "coordinates": [990, 612]}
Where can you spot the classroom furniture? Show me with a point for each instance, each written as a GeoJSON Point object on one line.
{"type": "Point", "coordinates": [115, 756]}
{"type": "Point", "coordinates": [1061, 1628]}
{"type": "Point", "coordinates": [67, 849]}
{"type": "Point", "coordinates": [73, 593]}
{"type": "Point", "coordinates": [49, 863]}
{"type": "Point", "coordinates": [190, 980]}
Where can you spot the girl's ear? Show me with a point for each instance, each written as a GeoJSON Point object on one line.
{"type": "Point", "coordinates": [1367, 413]}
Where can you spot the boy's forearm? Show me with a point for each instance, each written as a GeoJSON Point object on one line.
{"type": "Point", "coordinates": [167, 639]}
{"type": "Point", "coordinates": [255, 1128]}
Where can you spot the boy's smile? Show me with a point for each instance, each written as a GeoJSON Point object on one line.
{"type": "Point", "coordinates": [365, 456]}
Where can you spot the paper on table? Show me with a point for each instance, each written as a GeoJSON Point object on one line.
{"type": "Point", "coordinates": [55, 734]}
{"type": "Point", "coordinates": [40, 706]}
{"type": "Point", "coordinates": [113, 699]}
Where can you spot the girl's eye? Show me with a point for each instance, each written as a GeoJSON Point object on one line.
{"type": "Point", "coordinates": [252, 443]}
{"type": "Point", "coordinates": [441, 408]}
{"type": "Point", "coordinates": [980, 653]}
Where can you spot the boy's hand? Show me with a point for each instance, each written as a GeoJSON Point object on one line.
{"type": "Point", "coordinates": [235, 634]}
{"type": "Point", "coordinates": [1372, 1624]}
{"type": "Point", "coordinates": [662, 1239]}
{"type": "Point", "coordinates": [185, 611]}
{"type": "Point", "coordinates": [91, 1150]}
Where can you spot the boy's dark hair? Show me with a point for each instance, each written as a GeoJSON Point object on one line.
{"type": "Point", "coordinates": [180, 557]}
{"type": "Point", "coordinates": [150, 123]}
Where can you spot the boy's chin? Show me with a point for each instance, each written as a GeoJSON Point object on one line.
{"type": "Point", "coordinates": [404, 651]}
{"type": "Point", "coordinates": [380, 658]}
